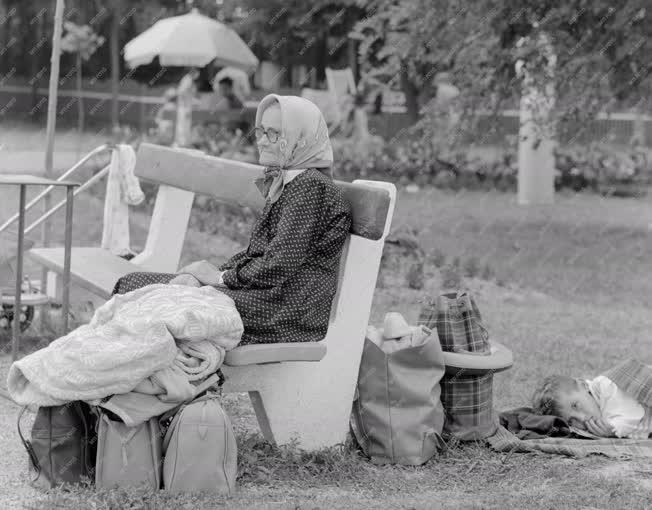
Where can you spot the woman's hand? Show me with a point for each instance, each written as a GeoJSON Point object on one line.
{"type": "Point", "coordinates": [599, 427]}
{"type": "Point", "coordinates": [204, 272]}
{"type": "Point", "coordinates": [185, 279]}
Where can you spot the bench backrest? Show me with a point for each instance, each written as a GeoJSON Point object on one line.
{"type": "Point", "coordinates": [182, 173]}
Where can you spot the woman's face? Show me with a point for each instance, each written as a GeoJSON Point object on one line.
{"type": "Point", "coordinates": [269, 152]}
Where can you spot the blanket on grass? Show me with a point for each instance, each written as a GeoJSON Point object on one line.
{"type": "Point", "coordinates": [157, 339]}
{"type": "Point", "coordinates": [504, 441]}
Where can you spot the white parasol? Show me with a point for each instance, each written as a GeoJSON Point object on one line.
{"type": "Point", "coordinates": [190, 40]}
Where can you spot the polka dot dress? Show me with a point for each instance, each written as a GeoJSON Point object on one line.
{"type": "Point", "coordinates": [284, 283]}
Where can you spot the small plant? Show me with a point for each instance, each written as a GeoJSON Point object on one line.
{"type": "Point", "coordinates": [471, 267]}
{"type": "Point", "coordinates": [438, 258]}
{"type": "Point", "coordinates": [487, 272]}
{"type": "Point", "coordinates": [451, 277]}
{"type": "Point", "coordinates": [415, 275]}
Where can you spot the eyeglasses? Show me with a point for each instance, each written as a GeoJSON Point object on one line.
{"type": "Point", "coordinates": [272, 134]}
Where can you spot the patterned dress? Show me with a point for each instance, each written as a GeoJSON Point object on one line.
{"type": "Point", "coordinates": [284, 283]}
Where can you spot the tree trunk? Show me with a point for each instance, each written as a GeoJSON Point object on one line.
{"type": "Point", "coordinates": [638, 127]}
{"type": "Point", "coordinates": [36, 62]}
{"type": "Point", "coordinates": [115, 63]}
{"type": "Point", "coordinates": [411, 97]}
{"type": "Point", "coordinates": [80, 101]}
{"type": "Point", "coordinates": [51, 124]}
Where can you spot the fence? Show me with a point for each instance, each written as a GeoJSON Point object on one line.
{"type": "Point", "coordinates": [17, 102]}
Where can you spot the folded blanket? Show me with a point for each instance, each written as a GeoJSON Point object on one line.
{"type": "Point", "coordinates": [505, 441]}
{"type": "Point", "coordinates": [525, 423]}
{"type": "Point", "coordinates": [131, 338]}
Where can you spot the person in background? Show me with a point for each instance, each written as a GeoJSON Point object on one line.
{"type": "Point", "coordinates": [166, 115]}
{"type": "Point", "coordinates": [226, 90]}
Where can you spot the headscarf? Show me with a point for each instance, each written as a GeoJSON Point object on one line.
{"type": "Point", "coordinates": [303, 142]}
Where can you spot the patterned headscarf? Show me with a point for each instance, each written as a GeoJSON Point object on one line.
{"type": "Point", "coordinates": [303, 142]}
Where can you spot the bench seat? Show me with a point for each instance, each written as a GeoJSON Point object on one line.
{"type": "Point", "coordinates": [94, 269]}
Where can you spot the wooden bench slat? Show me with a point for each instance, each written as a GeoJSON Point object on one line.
{"type": "Point", "coordinates": [233, 182]}
{"type": "Point", "coordinates": [275, 353]}
{"type": "Point", "coordinates": [94, 269]}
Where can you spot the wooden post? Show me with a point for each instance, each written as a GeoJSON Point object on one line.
{"type": "Point", "coordinates": [51, 122]}
{"type": "Point", "coordinates": [142, 112]}
{"type": "Point", "coordinates": [536, 160]}
{"type": "Point", "coordinates": [19, 275]}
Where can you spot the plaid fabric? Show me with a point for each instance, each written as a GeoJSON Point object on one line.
{"type": "Point", "coordinates": [458, 322]}
{"type": "Point", "coordinates": [468, 404]}
{"type": "Point", "coordinates": [505, 441]}
{"type": "Point", "coordinates": [634, 378]}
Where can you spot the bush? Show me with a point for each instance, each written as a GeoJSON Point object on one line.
{"type": "Point", "coordinates": [592, 168]}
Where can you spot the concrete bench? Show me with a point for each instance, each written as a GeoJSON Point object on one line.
{"type": "Point", "coordinates": [300, 392]}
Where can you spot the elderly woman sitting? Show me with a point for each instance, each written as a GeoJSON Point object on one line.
{"type": "Point", "coordinates": [284, 282]}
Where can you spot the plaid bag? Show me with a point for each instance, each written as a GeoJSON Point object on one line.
{"type": "Point", "coordinates": [458, 322]}
{"type": "Point", "coordinates": [467, 399]}
{"type": "Point", "coordinates": [468, 402]}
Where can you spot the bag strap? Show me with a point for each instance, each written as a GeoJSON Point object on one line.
{"type": "Point", "coordinates": [28, 445]}
{"type": "Point", "coordinates": [86, 439]}
{"type": "Point", "coordinates": [201, 387]}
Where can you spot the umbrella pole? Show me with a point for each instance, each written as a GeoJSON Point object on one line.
{"type": "Point", "coordinates": [51, 122]}
{"type": "Point", "coordinates": [183, 127]}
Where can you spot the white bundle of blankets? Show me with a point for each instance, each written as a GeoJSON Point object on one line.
{"type": "Point", "coordinates": [143, 350]}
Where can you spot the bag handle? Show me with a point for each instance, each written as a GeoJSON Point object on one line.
{"type": "Point", "coordinates": [28, 446]}
{"type": "Point", "coordinates": [201, 387]}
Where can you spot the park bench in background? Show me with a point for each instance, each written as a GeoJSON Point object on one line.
{"type": "Point", "coordinates": [299, 391]}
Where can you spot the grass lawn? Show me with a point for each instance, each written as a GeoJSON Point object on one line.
{"type": "Point", "coordinates": [573, 297]}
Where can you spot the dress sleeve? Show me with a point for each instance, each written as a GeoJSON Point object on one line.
{"type": "Point", "coordinates": [300, 218]}
{"type": "Point", "coordinates": [234, 260]}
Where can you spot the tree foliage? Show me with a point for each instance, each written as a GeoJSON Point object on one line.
{"type": "Point", "coordinates": [602, 51]}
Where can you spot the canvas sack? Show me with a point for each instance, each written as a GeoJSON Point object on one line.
{"type": "Point", "coordinates": [200, 449]}
{"type": "Point", "coordinates": [397, 416]}
{"type": "Point", "coordinates": [128, 456]}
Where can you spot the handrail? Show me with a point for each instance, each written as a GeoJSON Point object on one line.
{"type": "Point", "coordinates": [47, 190]}
{"type": "Point", "coordinates": [58, 206]}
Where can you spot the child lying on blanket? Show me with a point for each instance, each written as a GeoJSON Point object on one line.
{"type": "Point", "coordinates": [600, 405]}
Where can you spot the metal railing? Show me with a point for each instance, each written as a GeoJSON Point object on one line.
{"type": "Point", "coordinates": [90, 182]}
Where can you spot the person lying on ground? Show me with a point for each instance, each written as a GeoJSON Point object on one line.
{"type": "Point", "coordinates": [616, 404]}
{"type": "Point", "coordinates": [284, 282]}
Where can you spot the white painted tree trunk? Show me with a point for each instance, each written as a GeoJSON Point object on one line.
{"type": "Point", "coordinates": [52, 120]}
{"type": "Point", "coordinates": [536, 160]}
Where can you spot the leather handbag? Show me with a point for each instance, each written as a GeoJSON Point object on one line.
{"type": "Point", "coordinates": [62, 445]}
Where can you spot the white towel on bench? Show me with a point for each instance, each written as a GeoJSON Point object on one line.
{"type": "Point", "coordinates": [122, 190]}
{"type": "Point", "coordinates": [131, 338]}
